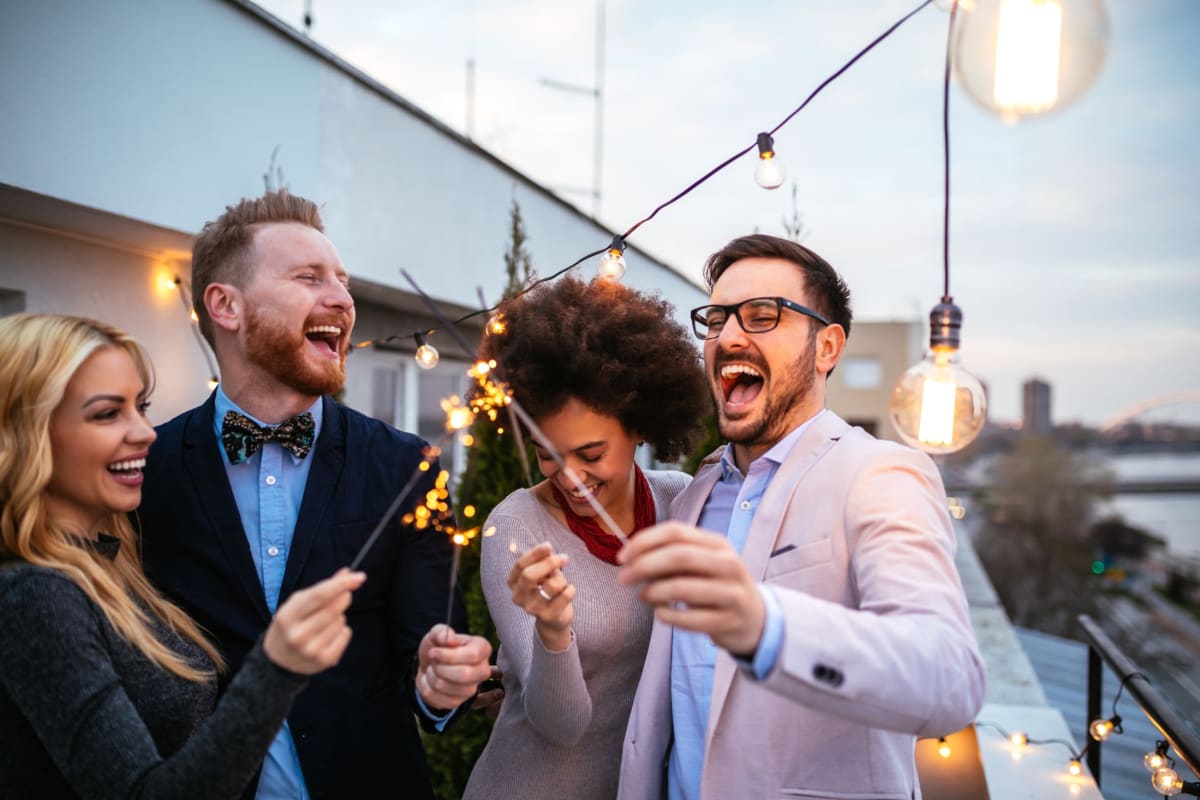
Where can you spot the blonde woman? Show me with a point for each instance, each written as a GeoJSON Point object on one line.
{"type": "Point", "coordinates": [106, 688]}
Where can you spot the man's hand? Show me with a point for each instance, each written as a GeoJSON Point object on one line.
{"type": "Point", "coordinates": [695, 580]}
{"type": "Point", "coordinates": [491, 695]}
{"type": "Point", "coordinates": [450, 667]}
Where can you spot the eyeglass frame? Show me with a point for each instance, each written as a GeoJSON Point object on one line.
{"type": "Point", "coordinates": [736, 310]}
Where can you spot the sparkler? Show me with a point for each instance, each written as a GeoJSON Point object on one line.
{"type": "Point", "coordinates": [493, 397]}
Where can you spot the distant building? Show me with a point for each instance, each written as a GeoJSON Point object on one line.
{"type": "Point", "coordinates": [877, 354]}
{"type": "Point", "coordinates": [1035, 405]}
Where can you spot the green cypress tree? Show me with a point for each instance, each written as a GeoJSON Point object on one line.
{"type": "Point", "coordinates": [493, 472]}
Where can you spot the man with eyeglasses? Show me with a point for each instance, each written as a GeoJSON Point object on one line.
{"type": "Point", "coordinates": [810, 622]}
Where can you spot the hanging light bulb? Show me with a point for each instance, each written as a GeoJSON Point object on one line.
{"type": "Point", "coordinates": [769, 174]}
{"type": "Point", "coordinates": [1166, 781]}
{"type": "Point", "coordinates": [1020, 58]}
{"type": "Point", "coordinates": [1154, 760]}
{"type": "Point", "coordinates": [944, 748]}
{"type": "Point", "coordinates": [213, 382]}
{"type": "Point", "coordinates": [1019, 739]}
{"type": "Point", "coordinates": [496, 324]}
{"type": "Point", "coordinates": [426, 355]}
{"type": "Point", "coordinates": [937, 406]}
{"type": "Point", "coordinates": [1101, 729]}
{"type": "Point", "coordinates": [612, 263]}
{"type": "Point", "coordinates": [1075, 767]}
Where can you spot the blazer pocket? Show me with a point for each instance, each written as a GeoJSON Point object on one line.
{"type": "Point", "coordinates": [809, 554]}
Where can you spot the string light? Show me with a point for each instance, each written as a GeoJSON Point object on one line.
{"type": "Point", "coordinates": [496, 324]}
{"type": "Point", "coordinates": [612, 263]}
{"type": "Point", "coordinates": [944, 748]}
{"type": "Point", "coordinates": [426, 354]}
{"type": "Point", "coordinates": [937, 406]}
{"type": "Point", "coordinates": [1019, 739]}
{"type": "Point", "coordinates": [1101, 729]}
{"type": "Point", "coordinates": [686, 190]}
{"type": "Point", "coordinates": [1075, 766]}
{"type": "Point", "coordinates": [769, 174]}
{"type": "Point", "coordinates": [1156, 758]}
{"type": "Point", "coordinates": [1166, 781]}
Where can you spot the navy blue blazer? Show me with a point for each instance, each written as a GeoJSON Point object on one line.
{"type": "Point", "coordinates": [355, 725]}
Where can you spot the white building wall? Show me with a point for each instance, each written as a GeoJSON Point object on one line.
{"type": "Point", "coordinates": [166, 112]}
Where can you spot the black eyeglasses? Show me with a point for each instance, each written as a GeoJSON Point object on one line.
{"type": "Point", "coordinates": [756, 315]}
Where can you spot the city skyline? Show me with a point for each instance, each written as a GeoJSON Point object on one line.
{"type": "Point", "coordinates": [1072, 236]}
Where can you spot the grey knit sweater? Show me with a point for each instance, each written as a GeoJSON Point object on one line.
{"type": "Point", "coordinates": [561, 726]}
{"type": "Point", "coordinates": [84, 714]}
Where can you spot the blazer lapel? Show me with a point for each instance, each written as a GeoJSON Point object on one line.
{"type": "Point", "coordinates": [690, 502]}
{"type": "Point", "coordinates": [328, 458]}
{"type": "Point", "coordinates": [766, 527]}
{"type": "Point", "coordinates": [205, 469]}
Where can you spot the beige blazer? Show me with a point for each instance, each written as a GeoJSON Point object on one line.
{"type": "Point", "coordinates": [854, 538]}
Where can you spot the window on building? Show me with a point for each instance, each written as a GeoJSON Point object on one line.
{"type": "Point", "coordinates": [861, 372]}
{"type": "Point", "coordinates": [12, 301]}
{"type": "Point", "coordinates": [410, 398]}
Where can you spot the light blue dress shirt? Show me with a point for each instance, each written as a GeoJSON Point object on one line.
{"type": "Point", "coordinates": [268, 488]}
{"type": "Point", "coordinates": [730, 508]}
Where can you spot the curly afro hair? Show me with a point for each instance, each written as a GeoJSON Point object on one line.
{"type": "Point", "coordinates": [617, 351]}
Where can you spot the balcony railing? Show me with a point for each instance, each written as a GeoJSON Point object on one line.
{"type": "Point", "coordinates": [1175, 730]}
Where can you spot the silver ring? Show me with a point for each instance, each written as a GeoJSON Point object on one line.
{"type": "Point", "coordinates": [542, 592]}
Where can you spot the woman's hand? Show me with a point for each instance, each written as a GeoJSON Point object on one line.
{"type": "Point", "coordinates": [309, 632]}
{"type": "Point", "coordinates": [539, 587]}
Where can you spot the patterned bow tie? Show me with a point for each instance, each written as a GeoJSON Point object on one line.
{"type": "Point", "coordinates": [242, 436]}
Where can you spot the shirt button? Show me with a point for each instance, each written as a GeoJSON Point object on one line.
{"type": "Point", "coordinates": [272, 551]}
{"type": "Point", "coordinates": [270, 480]}
{"type": "Point", "coordinates": [745, 505]}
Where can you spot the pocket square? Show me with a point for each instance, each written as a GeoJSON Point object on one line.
{"type": "Point", "coordinates": [786, 548]}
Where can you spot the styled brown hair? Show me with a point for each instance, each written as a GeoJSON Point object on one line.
{"type": "Point", "coordinates": [41, 354]}
{"type": "Point", "coordinates": [828, 293]}
{"type": "Point", "coordinates": [221, 253]}
{"type": "Point", "coordinates": [617, 351]}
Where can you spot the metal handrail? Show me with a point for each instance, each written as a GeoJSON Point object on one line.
{"type": "Point", "coordinates": [1172, 726]}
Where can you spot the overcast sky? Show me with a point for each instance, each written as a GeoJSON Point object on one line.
{"type": "Point", "coordinates": [1075, 238]}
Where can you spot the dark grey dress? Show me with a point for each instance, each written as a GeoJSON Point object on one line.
{"type": "Point", "coordinates": [84, 714]}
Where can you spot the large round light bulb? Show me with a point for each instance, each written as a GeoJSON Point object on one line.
{"type": "Point", "coordinates": [1166, 781]}
{"type": "Point", "coordinates": [937, 406]}
{"type": "Point", "coordinates": [1020, 58]}
{"type": "Point", "coordinates": [1153, 760]}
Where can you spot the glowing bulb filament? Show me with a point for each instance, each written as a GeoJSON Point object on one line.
{"type": "Point", "coordinates": [1028, 47]}
{"type": "Point", "coordinates": [937, 411]}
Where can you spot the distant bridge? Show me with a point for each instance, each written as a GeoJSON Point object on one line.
{"type": "Point", "coordinates": [1122, 487]}
{"type": "Point", "coordinates": [1162, 401]}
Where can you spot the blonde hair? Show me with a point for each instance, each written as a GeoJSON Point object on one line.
{"type": "Point", "coordinates": [41, 354]}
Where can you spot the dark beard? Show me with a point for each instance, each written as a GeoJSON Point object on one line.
{"type": "Point", "coordinates": [279, 352]}
{"type": "Point", "coordinates": [789, 391]}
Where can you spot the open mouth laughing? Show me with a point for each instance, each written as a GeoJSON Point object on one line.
{"type": "Point", "coordinates": [327, 338]}
{"type": "Point", "coordinates": [128, 471]}
{"type": "Point", "coordinates": [740, 384]}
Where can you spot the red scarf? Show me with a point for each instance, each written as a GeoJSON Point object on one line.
{"type": "Point", "coordinates": [600, 543]}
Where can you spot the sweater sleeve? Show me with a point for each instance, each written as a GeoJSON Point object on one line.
{"type": "Point", "coordinates": [56, 666]}
{"type": "Point", "coordinates": [552, 690]}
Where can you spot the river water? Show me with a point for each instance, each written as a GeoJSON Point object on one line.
{"type": "Point", "coordinates": [1175, 517]}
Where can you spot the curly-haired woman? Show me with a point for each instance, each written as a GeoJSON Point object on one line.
{"type": "Point", "coordinates": [601, 368]}
{"type": "Point", "coordinates": [107, 689]}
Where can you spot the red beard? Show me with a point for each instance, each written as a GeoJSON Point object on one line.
{"type": "Point", "coordinates": [280, 352]}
